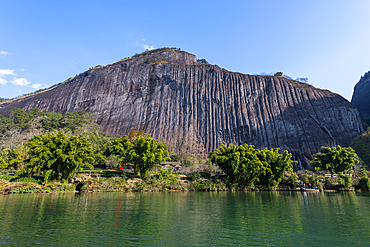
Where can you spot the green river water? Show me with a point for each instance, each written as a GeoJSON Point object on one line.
{"type": "Point", "coordinates": [186, 219]}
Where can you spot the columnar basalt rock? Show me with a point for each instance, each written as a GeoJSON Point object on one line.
{"type": "Point", "coordinates": [196, 108]}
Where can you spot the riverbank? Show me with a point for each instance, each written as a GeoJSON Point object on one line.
{"type": "Point", "coordinates": [113, 184]}
{"type": "Point", "coordinates": [10, 184]}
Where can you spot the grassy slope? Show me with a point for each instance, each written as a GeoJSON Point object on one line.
{"type": "Point", "coordinates": [361, 145]}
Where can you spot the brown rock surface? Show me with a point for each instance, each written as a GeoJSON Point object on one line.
{"type": "Point", "coordinates": [196, 107]}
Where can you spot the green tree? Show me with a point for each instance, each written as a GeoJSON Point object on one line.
{"type": "Point", "coordinates": [336, 159]}
{"type": "Point", "coordinates": [15, 156]}
{"type": "Point", "coordinates": [35, 113]}
{"type": "Point", "coordinates": [278, 164]}
{"type": "Point", "coordinates": [58, 156]}
{"type": "Point", "coordinates": [344, 182]}
{"type": "Point", "coordinates": [364, 183]}
{"type": "Point", "coordinates": [202, 61]}
{"type": "Point", "coordinates": [120, 147]}
{"type": "Point", "coordinates": [79, 121]}
{"type": "Point", "coordinates": [100, 142]}
{"type": "Point", "coordinates": [51, 121]}
{"type": "Point", "coordinates": [6, 124]}
{"type": "Point", "coordinates": [144, 152]}
{"type": "Point", "coordinates": [240, 163]}
{"type": "Point", "coordinates": [20, 118]}
{"type": "Point", "coordinates": [187, 162]}
{"type": "Point", "coordinates": [3, 163]}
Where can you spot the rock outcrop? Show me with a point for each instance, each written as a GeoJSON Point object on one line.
{"type": "Point", "coordinates": [360, 97]}
{"type": "Point", "coordinates": [195, 108]}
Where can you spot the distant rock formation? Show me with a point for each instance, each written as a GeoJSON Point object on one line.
{"type": "Point", "coordinates": [361, 96]}
{"type": "Point", "coordinates": [197, 107]}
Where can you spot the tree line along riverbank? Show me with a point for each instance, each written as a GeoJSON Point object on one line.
{"type": "Point", "coordinates": [165, 180]}
{"type": "Point", "coordinates": [47, 152]}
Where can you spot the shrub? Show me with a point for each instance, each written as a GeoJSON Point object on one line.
{"type": "Point", "coordinates": [291, 181]}
{"type": "Point", "coordinates": [202, 61]}
{"type": "Point", "coordinates": [25, 180]}
{"type": "Point", "coordinates": [344, 182]}
{"type": "Point", "coordinates": [336, 159]}
{"type": "Point", "coordinates": [193, 176]}
{"type": "Point", "coordinates": [187, 162]}
{"type": "Point", "coordinates": [6, 177]}
{"type": "Point", "coordinates": [364, 183]}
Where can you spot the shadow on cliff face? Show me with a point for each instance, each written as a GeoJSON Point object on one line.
{"type": "Point", "coordinates": [302, 129]}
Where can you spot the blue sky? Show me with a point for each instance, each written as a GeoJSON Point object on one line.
{"type": "Point", "coordinates": [45, 42]}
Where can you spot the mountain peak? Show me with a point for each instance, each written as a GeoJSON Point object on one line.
{"type": "Point", "coordinates": [196, 108]}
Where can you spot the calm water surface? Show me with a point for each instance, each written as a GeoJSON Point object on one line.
{"type": "Point", "coordinates": [186, 219]}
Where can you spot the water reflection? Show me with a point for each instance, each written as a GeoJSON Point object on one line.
{"type": "Point", "coordinates": [184, 219]}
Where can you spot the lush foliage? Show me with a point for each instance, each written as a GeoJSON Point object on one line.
{"type": "Point", "coordinates": [57, 156]}
{"type": "Point", "coordinates": [3, 163]}
{"type": "Point", "coordinates": [240, 163]}
{"type": "Point", "coordinates": [146, 152]}
{"type": "Point", "coordinates": [100, 143]}
{"type": "Point", "coordinates": [15, 157]}
{"type": "Point", "coordinates": [361, 145]}
{"type": "Point", "coordinates": [364, 183]}
{"type": "Point", "coordinates": [336, 159]}
{"type": "Point", "coordinates": [162, 175]}
{"type": "Point", "coordinates": [344, 182]}
{"type": "Point", "coordinates": [187, 162]}
{"type": "Point", "coordinates": [313, 179]}
{"type": "Point", "coordinates": [71, 121]}
{"type": "Point", "coordinates": [245, 165]}
{"type": "Point", "coordinates": [278, 165]}
{"type": "Point", "coordinates": [141, 150]}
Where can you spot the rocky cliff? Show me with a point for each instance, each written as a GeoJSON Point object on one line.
{"type": "Point", "coordinates": [195, 108]}
{"type": "Point", "coordinates": [360, 97]}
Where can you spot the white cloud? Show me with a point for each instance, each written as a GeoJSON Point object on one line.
{"type": "Point", "coordinates": [147, 47]}
{"type": "Point", "coordinates": [20, 81]}
{"type": "Point", "coordinates": [36, 85]}
{"type": "Point", "coordinates": [22, 70]}
{"type": "Point", "coordinates": [4, 72]}
{"type": "Point", "coordinates": [3, 81]}
{"type": "Point", "coordinates": [3, 53]}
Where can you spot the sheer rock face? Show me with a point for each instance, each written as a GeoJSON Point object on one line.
{"type": "Point", "coordinates": [196, 108]}
{"type": "Point", "coordinates": [360, 97]}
